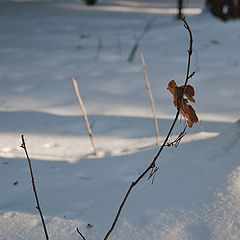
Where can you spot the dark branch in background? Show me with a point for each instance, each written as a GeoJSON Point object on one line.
{"type": "Point", "coordinates": [119, 46]}
{"type": "Point", "coordinates": [135, 46]}
{"type": "Point", "coordinates": [180, 6]}
{"type": "Point", "coordinates": [152, 167]}
{"type": "Point", "coordinates": [99, 48]}
{"type": "Point", "coordinates": [23, 145]}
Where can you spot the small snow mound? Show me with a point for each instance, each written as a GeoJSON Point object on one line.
{"type": "Point", "coordinates": [165, 227]}
{"type": "Point", "coordinates": [226, 142]}
{"type": "Point", "coordinates": [51, 145]}
{"type": "Point", "coordinates": [231, 134]}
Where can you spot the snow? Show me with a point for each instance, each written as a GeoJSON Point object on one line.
{"type": "Point", "coordinates": [196, 190]}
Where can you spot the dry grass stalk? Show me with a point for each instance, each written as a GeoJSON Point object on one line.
{"type": "Point", "coordinates": [151, 97]}
{"type": "Point", "coordinates": [84, 114]}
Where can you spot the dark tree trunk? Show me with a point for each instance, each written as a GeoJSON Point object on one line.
{"type": "Point", "coordinates": [239, 8]}
{"type": "Point", "coordinates": [180, 6]}
{"type": "Point", "coordinates": [224, 9]}
{"type": "Point", "coordinates": [90, 2]}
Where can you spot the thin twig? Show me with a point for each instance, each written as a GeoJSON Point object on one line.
{"type": "Point", "coordinates": [99, 48]}
{"type": "Point", "coordinates": [23, 145]}
{"type": "Point", "coordinates": [151, 97]}
{"type": "Point", "coordinates": [153, 163]}
{"type": "Point", "coordinates": [192, 74]}
{"type": "Point", "coordinates": [176, 142]}
{"type": "Point", "coordinates": [134, 49]}
{"type": "Point", "coordinates": [84, 113]}
{"type": "Point", "coordinates": [135, 46]}
{"type": "Point", "coordinates": [153, 173]}
{"type": "Point", "coordinates": [119, 45]}
{"type": "Point", "coordinates": [80, 234]}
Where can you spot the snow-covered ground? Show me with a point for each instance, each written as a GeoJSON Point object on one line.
{"type": "Point", "coordinates": [196, 190]}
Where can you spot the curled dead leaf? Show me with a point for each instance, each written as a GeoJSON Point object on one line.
{"type": "Point", "coordinates": [186, 110]}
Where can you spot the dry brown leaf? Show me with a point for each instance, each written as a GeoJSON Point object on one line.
{"type": "Point", "coordinates": [186, 110]}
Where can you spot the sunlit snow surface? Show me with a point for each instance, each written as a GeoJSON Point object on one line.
{"type": "Point", "coordinates": [195, 194]}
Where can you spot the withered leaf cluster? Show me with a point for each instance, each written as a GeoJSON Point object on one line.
{"type": "Point", "coordinates": [186, 110]}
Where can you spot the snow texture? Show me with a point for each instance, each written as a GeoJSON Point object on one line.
{"type": "Point", "coordinates": [195, 194]}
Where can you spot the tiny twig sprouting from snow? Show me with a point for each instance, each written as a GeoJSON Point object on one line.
{"type": "Point", "coordinates": [151, 97]}
{"type": "Point", "coordinates": [80, 234]}
{"type": "Point", "coordinates": [84, 113]}
{"type": "Point", "coordinates": [23, 145]}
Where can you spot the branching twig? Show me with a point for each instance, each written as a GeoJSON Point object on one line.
{"type": "Point", "coordinates": [151, 97]}
{"type": "Point", "coordinates": [23, 145]}
{"type": "Point", "coordinates": [191, 75]}
{"type": "Point", "coordinates": [84, 113]}
{"type": "Point", "coordinates": [176, 142]}
{"type": "Point", "coordinates": [153, 173]}
{"type": "Point", "coordinates": [153, 163]}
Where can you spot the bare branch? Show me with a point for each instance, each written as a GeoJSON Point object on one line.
{"type": "Point", "coordinates": [84, 114]}
{"type": "Point", "coordinates": [135, 47]}
{"type": "Point", "coordinates": [151, 97]}
{"type": "Point", "coordinates": [23, 145]}
{"type": "Point", "coordinates": [99, 48]}
{"type": "Point", "coordinates": [80, 234]}
{"type": "Point", "coordinates": [152, 164]}
{"type": "Point", "coordinates": [192, 74]}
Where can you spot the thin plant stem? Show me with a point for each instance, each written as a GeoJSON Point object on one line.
{"type": "Point", "coordinates": [153, 163]}
{"type": "Point", "coordinates": [151, 97]}
{"type": "Point", "coordinates": [84, 114]}
{"type": "Point", "coordinates": [80, 234]}
{"type": "Point", "coordinates": [23, 145]}
{"type": "Point", "coordinates": [99, 48]}
{"type": "Point", "coordinates": [137, 42]}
